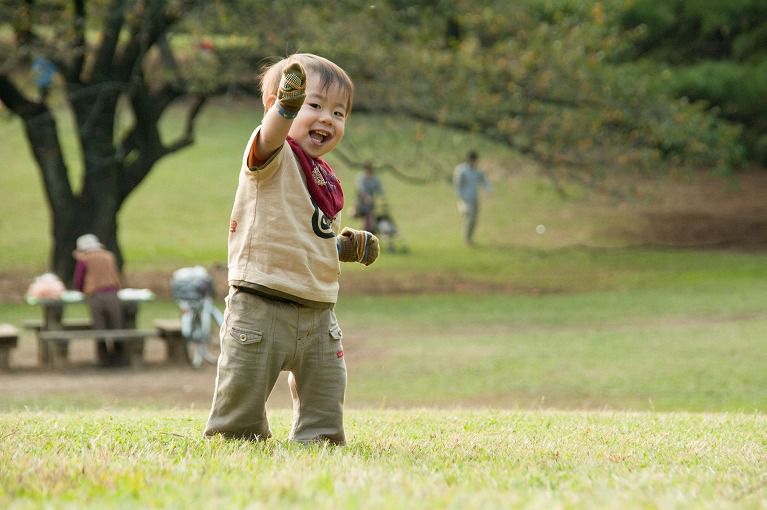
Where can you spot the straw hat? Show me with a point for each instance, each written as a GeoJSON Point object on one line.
{"type": "Point", "coordinates": [88, 242]}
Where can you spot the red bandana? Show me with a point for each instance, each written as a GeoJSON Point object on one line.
{"type": "Point", "coordinates": [324, 186]}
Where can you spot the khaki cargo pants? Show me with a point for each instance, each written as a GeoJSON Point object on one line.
{"type": "Point", "coordinates": [260, 337]}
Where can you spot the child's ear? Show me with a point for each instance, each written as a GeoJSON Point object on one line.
{"type": "Point", "coordinates": [270, 101]}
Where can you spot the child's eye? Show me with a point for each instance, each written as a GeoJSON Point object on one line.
{"type": "Point", "coordinates": [314, 105]}
{"type": "Point", "coordinates": [340, 115]}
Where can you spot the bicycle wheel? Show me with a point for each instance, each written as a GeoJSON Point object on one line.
{"type": "Point", "coordinates": [196, 342]}
{"type": "Point", "coordinates": [194, 347]}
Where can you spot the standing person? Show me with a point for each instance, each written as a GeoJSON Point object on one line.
{"type": "Point", "coordinates": [98, 277]}
{"type": "Point", "coordinates": [467, 179]}
{"type": "Point", "coordinates": [368, 188]}
{"type": "Point", "coordinates": [284, 253]}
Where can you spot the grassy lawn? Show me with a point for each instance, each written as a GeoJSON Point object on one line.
{"type": "Point", "coordinates": [701, 350]}
{"type": "Point", "coordinates": [395, 459]}
{"type": "Point", "coordinates": [645, 350]}
{"type": "Point", "coordinates": [572, 368]}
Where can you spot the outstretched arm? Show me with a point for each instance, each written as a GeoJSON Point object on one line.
{"type": "Point", "coordinates": [281, 110]}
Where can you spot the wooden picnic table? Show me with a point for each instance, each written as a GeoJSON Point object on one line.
{"type": "Point", "coordinates": [54, 332]}
{"type": "Point", "coordinates": [9, 338]}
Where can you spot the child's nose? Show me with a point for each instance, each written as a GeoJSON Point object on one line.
{"type": "Point", "coordinates": [326, 116]}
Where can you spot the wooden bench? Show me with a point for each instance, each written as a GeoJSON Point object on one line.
{"type": "Point", "coordinates": [37, 325]}
{"type": "Point", "coordinates": [9, 338]}
{"type": "Point", "coordinates": [67, 324]}
{"type": "Point", "coordinates": [134, 353]}
{"type": "Point", "coordinates": [170, 331]}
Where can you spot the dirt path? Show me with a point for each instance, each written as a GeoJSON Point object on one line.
{"type": "Point", "coordinates": [709, 212]}
{"type": "Point", "coordinates": [155, 384]}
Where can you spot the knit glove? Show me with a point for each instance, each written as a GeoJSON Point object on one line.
{"type": "Point", "coordinates": [292, 90]}
{"type": "Point", "coordinates": [357, 246]}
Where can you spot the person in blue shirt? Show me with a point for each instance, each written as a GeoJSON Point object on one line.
{"type": "Point", "coordinates": [44, 70]}
{"type": "Point", "coordinates": [467, 179]}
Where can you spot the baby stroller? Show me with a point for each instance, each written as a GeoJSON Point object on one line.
{"type": "Point", "coordinates": [193, 291]}
{"type": "Point", "coordinates": [387, 231]}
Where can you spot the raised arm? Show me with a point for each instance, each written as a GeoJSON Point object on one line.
{"type": "Point", "coordinates": [281, 110]}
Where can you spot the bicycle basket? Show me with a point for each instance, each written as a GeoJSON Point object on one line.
{"type": "Point", "coordinates": [191, 283]}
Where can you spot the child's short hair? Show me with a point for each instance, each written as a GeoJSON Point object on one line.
{"type": "Point", "coordinates": [330, 75]}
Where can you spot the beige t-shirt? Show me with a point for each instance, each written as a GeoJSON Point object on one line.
{"type": "Point", "coordinates": [278, 238]}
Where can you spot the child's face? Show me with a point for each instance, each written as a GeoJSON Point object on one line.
{"type": "Point", "coordinates": [321, 121]}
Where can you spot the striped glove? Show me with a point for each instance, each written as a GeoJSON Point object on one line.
{"type": "Point", "coordinates": [357, 246]}
{"type": "Point", "coordinates": [292, 91]}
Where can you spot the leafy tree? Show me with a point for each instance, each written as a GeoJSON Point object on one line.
{"type": "Point", "coordinates": [537, 75]}
{"type": "Point", "coordinates": [716, 52]}
{"type": "Point", "coordinates": [552, 92]}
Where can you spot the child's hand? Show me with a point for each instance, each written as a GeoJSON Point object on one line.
{"type": "Point", "coordinates": [357, 246]}
{"type": "Point", "coordinates": [292, 90]}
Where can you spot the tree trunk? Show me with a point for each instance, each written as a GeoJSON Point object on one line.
{"type": "Point", "coordinates": [94, 210]}
{"type": "Point", "coordinates": [81, 220]}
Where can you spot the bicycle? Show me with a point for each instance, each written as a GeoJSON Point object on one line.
{"type": "Point", "coordinates": [193, 291]}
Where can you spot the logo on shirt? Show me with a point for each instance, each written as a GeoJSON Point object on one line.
{"type": "Point", "coordinates": [233, 226]}
{"type": "Point", "coordinates": [321, 225]}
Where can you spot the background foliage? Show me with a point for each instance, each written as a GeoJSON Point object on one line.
{"type": "Point", "coordinates": [714, 52]}
{"type": "Point", "coordinates": [585, 87]}
{"type": "Point", "coordinates": [551, 79]}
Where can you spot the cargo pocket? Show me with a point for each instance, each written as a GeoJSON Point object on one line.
{"type": "Point", "coordinates": [245, 336]}
{"type": "Point", "coordinates": [245, 345]}
{"type": "Point", "coordinates": [336, 350]}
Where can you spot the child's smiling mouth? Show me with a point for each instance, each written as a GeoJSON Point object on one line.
{"type": "Point", "coordinates": [319, 136]}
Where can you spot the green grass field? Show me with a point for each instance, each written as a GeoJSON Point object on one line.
{"type": "Point", "coordinates": [701, 350]}
{"type": "Point", "coordinates": [396, 459]}
{"type": "Point", "coordinates": [563, 370]}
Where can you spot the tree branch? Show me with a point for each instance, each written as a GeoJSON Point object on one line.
{"type": "Point", "coordinates": [387, 167]}
{"type": "Point", "coordinates": [40, 127]}
{"type": "Point", "coordinates": [169, 61]}
{"type": "Point", "coordinates": [144, 136]}
{"type": "Point", "coordinates": [15, 101]}
{"type": "Point", "coordinates": [102, 68]}
{"type": "Point", "coordinates": [187, 138]}
{"type": "Point", "coordinates": [73, 72]}
{"type": "Point", "coordinates": [23, 26]}
{"type": "Point", "coordinates": [153, 22]}
{"type": "Point", "coordinates": [142, 146]}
